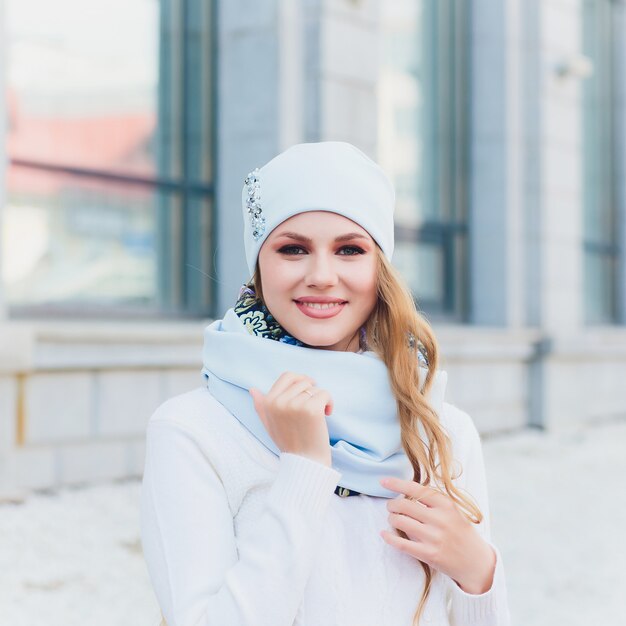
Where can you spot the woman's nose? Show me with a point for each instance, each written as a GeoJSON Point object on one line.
{"type": "Point", "coordinates": [321, 270]}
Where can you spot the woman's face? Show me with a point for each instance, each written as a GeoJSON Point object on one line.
{"type": "Point", "coordinates": [320, 258]}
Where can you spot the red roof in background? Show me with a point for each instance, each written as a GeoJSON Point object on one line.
{"type": "Point", "coordinates": [113, 143]}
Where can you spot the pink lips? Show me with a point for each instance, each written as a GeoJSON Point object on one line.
{"type": "Point", "coordinates": [320, 313]}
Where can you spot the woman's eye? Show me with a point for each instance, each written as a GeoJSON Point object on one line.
{"type": "Point", "coordinates": [356, 250]}
{"type": "Point", "coordinates": [294, 250]}
{"type": "Point", "coordinates": [290, 249]}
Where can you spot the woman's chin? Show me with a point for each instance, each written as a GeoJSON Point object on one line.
{"type": "Point", "coordinates": [315, 342]}
{"type": "Point", "coordinates": [320, 333]}
{"type": "Point", "coordinates": [324, 341]}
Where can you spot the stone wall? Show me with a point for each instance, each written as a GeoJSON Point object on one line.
{"type": "Point", "coordinates": [75, 399]}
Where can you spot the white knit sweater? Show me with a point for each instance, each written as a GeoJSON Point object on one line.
{"type": "Point", "coordinates": [236, 536]}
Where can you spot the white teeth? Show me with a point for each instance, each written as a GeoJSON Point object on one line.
{"type": "Point", "coordinates": [318, 305]}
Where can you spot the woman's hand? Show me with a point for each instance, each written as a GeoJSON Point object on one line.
{"type": "Point", "coordinates": [293, 413]}
{"type": "Point", "coordinates": [439, 535]}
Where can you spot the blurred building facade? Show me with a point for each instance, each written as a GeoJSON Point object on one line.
{"type": "Point", "coordinates": [127, 129]}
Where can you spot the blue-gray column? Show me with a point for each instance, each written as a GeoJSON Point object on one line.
{"type": "Point", "coordinates": [620, 121]}
{"type": "Point", "coordinates": [3, 156]}
{"type": "Point", "coordinates": [259, 115]}
{"type": "Point", "coordinates": [496, 291]}
{"type": "Point", "coordinates": [247, 125]}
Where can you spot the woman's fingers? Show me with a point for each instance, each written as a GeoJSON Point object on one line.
{"type": "Point", "coordinates": [328, 409]}
{"type": "Point", "coordinates": [427, 495]}
{"type": "Point", "coordinates": [289, 386]}
{"type": "Point", "coordinates": [297, 388]}
{"type": "Point", "coordinates": [285, 380]}
{"type": "Point", "coordinates": [294, 419]}
{"type": "Point", "coordinates": [322, 400]}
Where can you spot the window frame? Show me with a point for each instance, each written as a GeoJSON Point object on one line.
{"type": "Point", "coordinates": [181, 294]}
{"type": "Point", "coordinates": [446, 142]}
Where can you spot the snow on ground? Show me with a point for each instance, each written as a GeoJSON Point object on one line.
{"type": "Point", "coordinates": [558, 514]}
{"type": "Point", "coordinates": [74, 557]}
{"type": "Point", "coordinates": [558, 507]}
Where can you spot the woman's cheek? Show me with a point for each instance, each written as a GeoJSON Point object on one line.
{"type": "Point", "coordinates": [363, 278]}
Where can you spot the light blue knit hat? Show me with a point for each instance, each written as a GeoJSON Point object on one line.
{"type": "Point", "coordinates": [323, 176]}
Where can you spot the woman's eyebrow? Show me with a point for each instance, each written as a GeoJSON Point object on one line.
{"type": "Point", "coordinates": [299, 237]}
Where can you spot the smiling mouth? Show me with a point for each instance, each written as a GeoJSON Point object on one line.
{"type": "Point", "coordinates": [320, 305]}
{"type": "Point", "coordinates": [320, 310]}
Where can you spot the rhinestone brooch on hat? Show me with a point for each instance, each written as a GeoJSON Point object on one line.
{"type": "Point", "coordinates": [253, 204]}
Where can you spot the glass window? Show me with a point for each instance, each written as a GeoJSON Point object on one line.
{"type": "Point", "coordinates": [600, 242]}
{"type": "Point", "coordinates": [109, 184]}
{"type": "Point", "coordinates": [422, 138]}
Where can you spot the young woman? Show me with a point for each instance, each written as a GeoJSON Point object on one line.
{"type": "Point", "coordinates": [319, 478]}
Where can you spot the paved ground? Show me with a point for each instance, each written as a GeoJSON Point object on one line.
{"type": "Point", "coordinates": [558, 510]}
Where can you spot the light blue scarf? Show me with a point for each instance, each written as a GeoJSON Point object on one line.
{"type": "Point", "coordinates": [364, 429]}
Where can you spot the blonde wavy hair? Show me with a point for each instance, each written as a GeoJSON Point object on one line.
{"type": "Point", "coordinates": [393, 321]}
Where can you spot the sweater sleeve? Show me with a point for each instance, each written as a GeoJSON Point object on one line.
{"type": "Point", "coordinates": [201, 573]}
{"type": "Point", "coordinates": [491, 607]}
